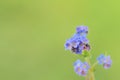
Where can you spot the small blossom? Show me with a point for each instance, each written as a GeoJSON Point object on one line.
{"type": "Point", "coordinates": [85, 47]}
{"type": "Point", "coordinates": [77, 62]}
{"type": "Point", "coordinates": [81, 68]}
{"type": "Point", "coordinates": [101, 58]}
{"type": "Point", "coordinates": [82, 29]}
{"type": "Point", "coordinates": [105, 61]}
{"type": "Point", "coordinates": [81, 38]}
{"type": "Point", "coordinates": [84, 40]}
{"type": "Point", "coordinates": [86, 65]}
{"type": "Point", "coordinates": [70, 44]}
{"type": "Point", "coordinates": [67, 45]}
{"type": "Point", "coordinates": [77, 50]}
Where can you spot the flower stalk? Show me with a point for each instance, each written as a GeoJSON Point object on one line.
{"type": "Point", "coordinates": [90, 75]}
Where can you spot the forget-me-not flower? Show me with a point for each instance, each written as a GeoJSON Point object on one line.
{"type": "Point", "coordinates": [105, 61]}
{"type": "Point", "coordinates": [78, 42]}
{"type": "Point", "coordinates": [81, 68]}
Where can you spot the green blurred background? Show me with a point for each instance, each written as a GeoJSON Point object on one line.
{"type": "Point", "coordinates": [33, 33]}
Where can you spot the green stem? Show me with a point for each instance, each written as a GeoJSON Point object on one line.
{"type": "Point", "coordinates": [90, 75]}
{"type": "Point", "coordinates": [94, 65]}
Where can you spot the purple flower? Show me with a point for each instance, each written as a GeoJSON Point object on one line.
{"type": "Point", "coordinates": [105, 61]}
{"type": "Point", "coordinates": [77, 50]}
{"type": "Point", "coordinates": [84, 40]}
{"type": "Point", "coordinates": [77, 62]}
{"type": "Point", "coordinates": [70, 44]}
{"type": "Point", "coordinates": [101, 58]}
{"type": "Point", "coordinates": [82, 29]}
{"type": "Point", "coordinates": [81, 68]}
{"type": "Point", "coordinates": [77, 43]}
{"type": "Point", "coordinates": [80, 38]}
{"type": "Point", "coordinates": [86, 65]}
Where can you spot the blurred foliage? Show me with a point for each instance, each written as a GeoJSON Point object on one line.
{"type": "Point", "coordinates": [33, 33]}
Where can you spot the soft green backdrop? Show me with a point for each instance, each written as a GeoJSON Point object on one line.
{"type": "Point", "coordinates": [33, 33]}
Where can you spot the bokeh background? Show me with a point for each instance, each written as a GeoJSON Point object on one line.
{"type": "Point", "coordinates": [33, 33]}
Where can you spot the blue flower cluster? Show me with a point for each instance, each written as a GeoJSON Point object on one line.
{"type": "Point", "coordinates": [81, 68]}
{"type": "Point", "coordinates": [78, 42]}
{"type": "Point", "coordinates": [105, 61]}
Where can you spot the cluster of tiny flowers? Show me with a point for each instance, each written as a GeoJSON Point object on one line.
{"type": "Point", "coordinates": [81, 68]}
{"type": "Point", "coordinates": [105, 61]}
{"type": "Point", "coordinates": [78, 42]}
